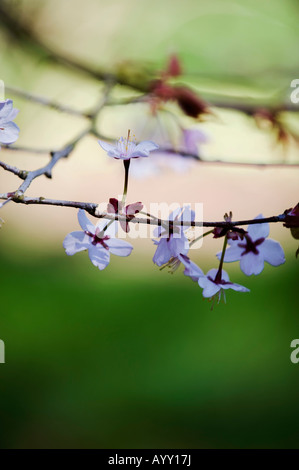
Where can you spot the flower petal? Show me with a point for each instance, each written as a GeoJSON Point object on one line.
{"type": "Point", "coordinates": [111, 229]}
{"type": "Point", "coordinates": [84, 222]}
{"type": "Point", "coordinates": [158, 231]}
{"type": "Point", "coordinates": [186, 215]}
{"type": "Point", "coordinates": [99, 256]}
{"type": "Point", "coordinates": [224, 276]}
{"type": "Point", "coordinates": [209, 288]}
{"type": "Point", "coordinates": [75, 242]}
{"type": "Point", "coordinates": [10, 133]}
{"type": "Point", "coordinates": [191, 269]}
{"type": "Point", "coordinates": [258, 230]}
{"type": "Point", "coordinates": [12, 115]}
{"type": "Point", "coordinates": [233, 253]}
{"type": "Point", "coordinates": [212, 273]}
{"type": "Point", "coordinates": [176, 213]}
{"type": "Point", "coordinates": [191, 137]}
{"type": "Point", "coordinates": [272, 252]}
{"type": "Point", "coordinates": [163, 253]}
{"type": "Point", "coordinates": [236, 287]}
{"type": "Point", "coordinates": [144, 148]}
{"type": "Point", "coordinates": [111, 150]}
{"type": "Point", "coordinates": [119, 247]}
{"type": "Point", "coordinates": [114, 206]}
{"type": "Point", "coordinates": [178, 244]}
{"type": "Point", "coordinates": [252, 264]}
{"type": "Point", "coordinates": [132, 209]}
{"type": "Point", "coordinates": [5, 109]}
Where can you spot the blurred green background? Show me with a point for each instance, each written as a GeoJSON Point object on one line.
{"type": "Point", "coordinates": [132, 357]}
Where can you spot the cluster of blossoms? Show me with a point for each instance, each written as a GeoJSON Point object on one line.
{"type": "Point", "coordinates": [251, 248]}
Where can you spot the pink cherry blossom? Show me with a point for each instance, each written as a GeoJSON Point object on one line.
{"type": "Point", "coordinates": [254, 250]}
{"type": "Point", "coordinates": [213, 283]}
{"type": "Point", "coordinates": [99, 240]}
{"type": "Point", "coordinates": [125, 148]}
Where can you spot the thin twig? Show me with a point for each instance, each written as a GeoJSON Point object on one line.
{"type": "Point", "coordinates": [44, 101]}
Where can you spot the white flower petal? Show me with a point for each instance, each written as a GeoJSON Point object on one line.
{"type": "Point", "coordinates": [111, 229]}
{"type": "Point", "coordinates": [85, 223]}
{"type": "Point", "coordinates": [110, 149]}
{"type": "Point", "coordinates": [162, 254]}
{"type": "Point", "coordinates": [272, 252]}
{"type": "Point", "coordinates": [157, 232]}
{"type": "Point", "coordinates": [5, 109]}
{"type": "Point", "coordinates": [144, 148]}
{"type": "Point", "coordinates": [209, 287]}
{"type": "Point", "coordinates": [10, 133]}
{"type": "Point", "coordinates": [233, 253]}
{"type": "Point", "coordinates": [191, 269]}
{"type": "Point", "coordinates": [119, 247]}
{"type": "Point", "coordinates": [212, 273]}
{"type": "Point", "coordinates": [175, 214]}
{"type": "Point", "coordinates": [252, 264]}
{"type": "Point", "coordinates": [12, 115]}
{"type": "Point", "coordinates": [99, 256]}
{"type": "Point", "coordinates": [224, 276]}
{"type": "Point", "coordinates": [236, 287]}
{"type": "Point", "coordinates": [258, 230]}
{"type": "Point", "coordinates": [186, 215]}
{"type": "Point", "coordinates": [75, 242]}
{"type": "Point", "coordinates": [178, 245]}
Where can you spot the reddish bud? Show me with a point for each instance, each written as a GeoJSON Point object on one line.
{"type": "Point", "coordinates": [174, 68]}
{"type": "Point", "coordinates": [162, 90]}
{"type": "Point", "coordinates": [189, 102]}
{"type": "Point", "coordinates": [235, 234]}
{"type": "Point", "coordinates": [292, 220]}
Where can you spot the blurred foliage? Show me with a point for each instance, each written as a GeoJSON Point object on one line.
{"type": "Point", "coordinates": [116, 360]}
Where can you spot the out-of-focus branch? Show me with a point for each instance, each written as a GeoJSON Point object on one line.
{"type": "Point", "coordinates": [29, 176]}
{"type": "Point", "coordinates": [21, 148]}
{"type": "Point", "coordinates": [43, 101]}
{"type": "Point", "coordinates": [24, 34]}
{"type": "Point", "coordinates": [56, 155]}
{"type": "Point", "coordinates": [252, 109]}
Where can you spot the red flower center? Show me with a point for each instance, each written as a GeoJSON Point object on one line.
{"type": "Point", "coordinates": [96, 240]}
{"type": "Point", "coordinates": [251, 246]}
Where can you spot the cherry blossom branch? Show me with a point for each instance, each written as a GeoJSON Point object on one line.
{"type": "Point", "coordinates": [92, 208]}
{"type": "Point", "coordinates": [12, 169]}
